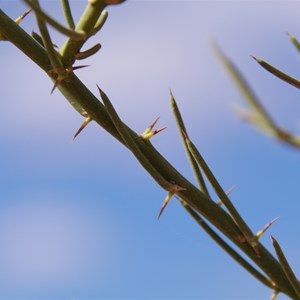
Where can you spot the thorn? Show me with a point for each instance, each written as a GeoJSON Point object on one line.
{"type": "Point", "coordinates": [254, 242]}
{"type": "Point", "coordinates": [153, 123]}
{"type": "Point", "coordinates": [63, 74]}
{"type": "Point", "coordinates": [83, 125]}
{"type": "Point", "coordinates": [261, 232]}
{"type": "Point", "coordinates": [56, 83]}
{"type": "Point", "coordinates": [19, 19]}
{"type": "Point", "coordinates": [159, 130]}
{"type": "Point", "coordinates": [78, 67]}
{"type": "Point", "coordinates": [148, 133]}
{"type": "Point", "coordinates": [274, 294]}
{"type": "Point", "coordinates": [172, 191]}
{"type": "Point", "coordinates": [167, 200]}
{"type": "Point", "coordinates": [228, 192]}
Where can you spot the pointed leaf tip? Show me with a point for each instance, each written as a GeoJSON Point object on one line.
{"type": "Point", "coordinates": [102, 94]}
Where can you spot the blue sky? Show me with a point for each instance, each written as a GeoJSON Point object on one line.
{"type": "Point", "coordinates": [78, 220]}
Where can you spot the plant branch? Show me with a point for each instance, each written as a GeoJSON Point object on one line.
{"type": "Point", "coordinates": [86, 24]}
{"type": "Point", "coordinates": [227, 248]}
{"type": "Point", "coordinates": [77, 94]}
{"type": "Point", "coordinates": [75, 35]}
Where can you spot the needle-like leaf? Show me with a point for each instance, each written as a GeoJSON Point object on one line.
{"type": "Point", "coordinates": [247, 92]}
{"type": "Point", "coordinates": [225, 246]}
{"type": "Point", "coordinates": [132, 145]}
{"type": "Point", "coordinates": [286, 267]}
{"type": "Point", "coordinates": [181, 128]}
{"type": "Point", "coordinates": [89, 52]}
{"type": "Point", "coordinates": [292, 81]}
{"type": "Point", "coordinates": [248, 235]}
{"type": "Point", "coordinates": [68, 13]}
{"type": "Point", "coordinates": [75, 35]}
{"type": "Point", "coordinates": [294, 41]}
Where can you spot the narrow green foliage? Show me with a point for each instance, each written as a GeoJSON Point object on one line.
{"type": "Point", "coordinates": [68, 13]}
{"type": "Point", "coordinates": [226, 247]}
{"type": "Point", "coordinates": [84, 101]}
{"type": "Point", "coordinates": [86, 24]}
{"type": "Point", "coordinates": [294, 41]}
{"type": "Point", "coordinates": [259, 116]}
{"type": "Point", "coordinates": [286, 267]}
{"type": "Point", "coordinates": [38, 38]}
{"type": "Point", "coordinates": [75, 35]}
{"type": "Point", "coordinates": [248, 235]}
{"type": "Point", "coordinates": [193, 163]}
{"type": "Point", "coordinates": [101, 21]}
{"type": "Point", "coordinates": [47, 42]}
{"type": "Point", "coordinates": [87, 53]}
{"type": "Point", "coordinates": [131, 144]}
{"type": "Point", "coordinates": [292, 81]}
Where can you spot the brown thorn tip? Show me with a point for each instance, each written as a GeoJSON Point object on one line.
{"type": "Point", "coordinates": [159, 130]}
{"type": "Point", "coordinates": [269, 224]}
{"type": "Point", "coordinates": [79, 67]}
{"type": "Point", "coordinates": [83, 125]}
{"type": "Point", "coordinates": [161, 210]}
{"type": "Point", "coordinates": [54, 86]}
{"type": "Point", "coordinates": [77, 132]}
{"type": "Point", "coordinates": [153, 123]}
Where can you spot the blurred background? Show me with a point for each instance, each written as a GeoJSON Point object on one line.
{"type": "Point", "coordinates": [78, 220]}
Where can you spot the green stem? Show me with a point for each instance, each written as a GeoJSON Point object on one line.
{"type": "Point", "coordinates": [47, 42]}
{"type": "Point", "coordinates": [75, 35]}
{"type": "Point", "coordinates": [221, 193]}
{"type": "Point", "coordinates": [75, 91]}
{"type": "Point", "coordinates": [86, 24]}
{"type": "Point", "coordinates": [131, 143]}
{"type": "Point", "coordinates": [68, 13]}
{"type": "Point", "coordinates": [246, 91]}
{"type": "Point", "coordinates": [228, 249]}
